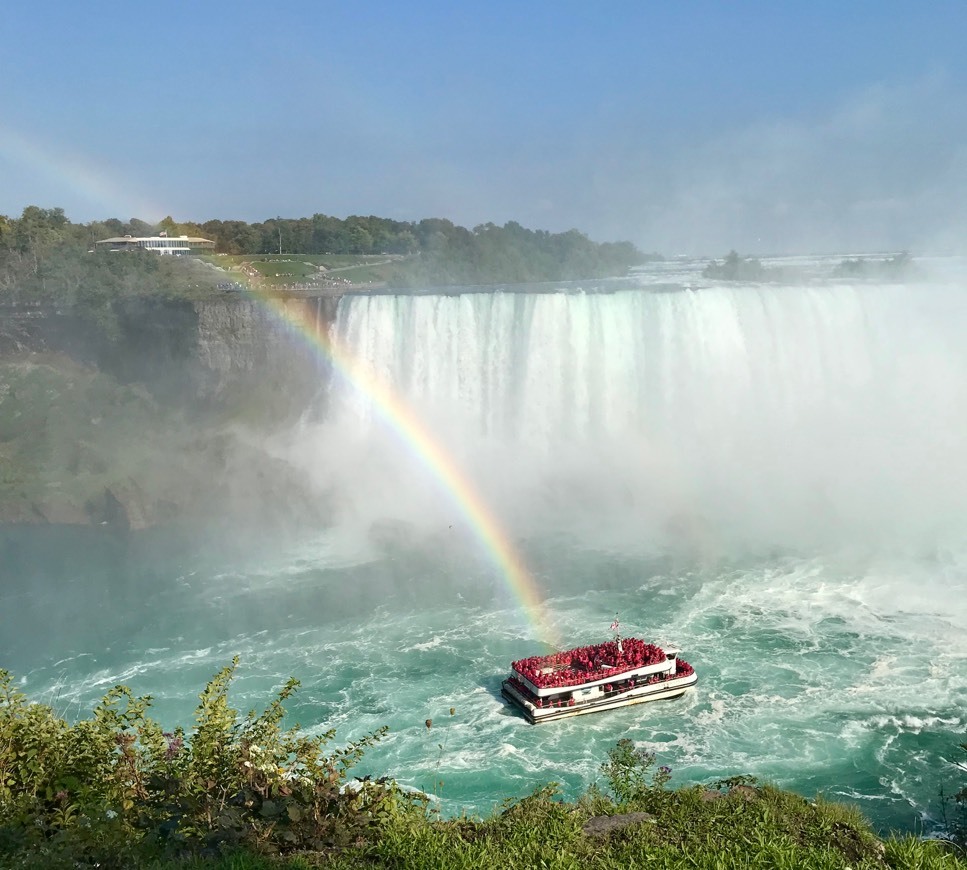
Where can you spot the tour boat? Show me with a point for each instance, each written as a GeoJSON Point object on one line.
{"type": "Point", "coordinates": [603, 676]}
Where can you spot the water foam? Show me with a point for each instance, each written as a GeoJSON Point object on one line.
{"type": "Point", "coordinates": [771, 478]}
{"type": "Point", "coordinates": [762, 416]}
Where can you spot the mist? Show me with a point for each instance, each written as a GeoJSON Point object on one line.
{"type": "Point", "coordinates": [721, 420]}
{"type": "Point", "coordinates": [770, 476]}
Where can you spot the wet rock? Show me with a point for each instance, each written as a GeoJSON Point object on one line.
{"type": "Point", "coordinates": [105, 509]}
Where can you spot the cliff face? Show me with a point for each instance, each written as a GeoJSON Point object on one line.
{"type": "Point", "coordinates": [246, 340]}
{"type": "Point", "coordinates": [134, 419]}
{"type": "Point", "coordinates": [199, 351]}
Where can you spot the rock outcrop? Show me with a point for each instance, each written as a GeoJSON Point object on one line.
{"type": "Point", "coordinates": [125, 426]}
{"type": "Point", "coordinates": [199, 351]}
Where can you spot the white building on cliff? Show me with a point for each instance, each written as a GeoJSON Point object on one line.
{"type": "Point", "coordinates": [163, 244]}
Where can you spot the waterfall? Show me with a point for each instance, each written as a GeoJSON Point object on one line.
{"type": "Point", "coordinates": [779, 415]}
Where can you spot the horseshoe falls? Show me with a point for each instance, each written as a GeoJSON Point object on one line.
{"type": "Point", "coordinates": [771, 477]}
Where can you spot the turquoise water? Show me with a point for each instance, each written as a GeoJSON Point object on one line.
{"type": "Point", "coordinates": [773, 478]}
{"type": "Point", "coordinates": [845, 680]}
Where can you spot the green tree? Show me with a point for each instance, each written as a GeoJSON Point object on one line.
{"type": "Point", "coordinates": [39, 228]}
{"type": "Point", "coordinates": [137, 227]}
{"type": "Point", "coordinates": [168, 225]}
{"type": "Point", "coordinates": [736, 268]}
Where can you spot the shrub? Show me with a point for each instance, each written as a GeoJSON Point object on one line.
{"type": "Point", "coordinates": [954, 810]}
{"type": "Point", "coordinates": [117, 781]}
{"type": "Point", "coordinates": [627, 772]}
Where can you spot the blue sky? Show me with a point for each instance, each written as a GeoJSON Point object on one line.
{"type": "Point", "coordinates": [687, 127]}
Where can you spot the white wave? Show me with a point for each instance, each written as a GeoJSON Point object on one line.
{"type": "Point", "coordinates": [773, 479]}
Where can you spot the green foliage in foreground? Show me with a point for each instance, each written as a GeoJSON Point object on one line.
{"type": "Point", "coordinates": [954, 809]}
{"type": "Point", "coordinates": [116, 789]}
{"type": "Point", "coordinates": [241, 792]}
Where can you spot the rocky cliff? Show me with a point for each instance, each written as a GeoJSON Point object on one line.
{"type": "Point", "coordinates": [155, 411]}
{"type": "Point", "coordinates": [187, 350]}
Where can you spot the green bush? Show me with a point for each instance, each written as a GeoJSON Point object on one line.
{"type": "Point", "coordinates": [954, 810]}
{"type": "Point", "coordinates": [627, 772]}
{"type": "Point", "coordinates": [116, 784]}
{"type": "Point", "coordinates": [241, 792]}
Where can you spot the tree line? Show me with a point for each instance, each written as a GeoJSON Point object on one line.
{"type": "Point", "coordinates": [44, 256]}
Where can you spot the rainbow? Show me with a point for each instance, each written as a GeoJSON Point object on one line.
{"type": "Point", "coordinates": [419, 440]}
{"type": "Point", "coordinates": [99, 187]}
{"type": "Point", "coordinates": [96, 185]}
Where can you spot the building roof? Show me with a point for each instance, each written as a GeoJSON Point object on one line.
{"type": "Point", "coordinates": [187, 239]}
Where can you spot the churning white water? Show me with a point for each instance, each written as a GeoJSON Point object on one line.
{"type": "Point", "coordinates": [764, 416]}
{"type": "Point", "coordinates": [774, 477]}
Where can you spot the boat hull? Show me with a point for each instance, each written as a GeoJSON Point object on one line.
{"type": "Point", "coordinates": [666, 690]}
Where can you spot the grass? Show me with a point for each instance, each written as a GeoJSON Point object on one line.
{"type": "Point", "coordinates": [742, 828]}
{"type": "Point", "coordinates": [241, 793]}
{"type": "Point", "coordinates": [762, 827]}
{"type": "Point", "coordinates": [286, 270]}
{"type": "Point", "coordinates": [330, 261]}
{"type": "Point", "coordinates": [296, 270]}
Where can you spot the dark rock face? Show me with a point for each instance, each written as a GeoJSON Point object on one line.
{"type": "Point", "coordinates": [248, 339]}
{"type": "Point", "coordinates": [199, 351]}
{"type": "Point", "coordinates": [46, 329]}
{"type": "Point", "coordinates": [157, 345]}
{"type": "Point", "coordinates": [130, 421]}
